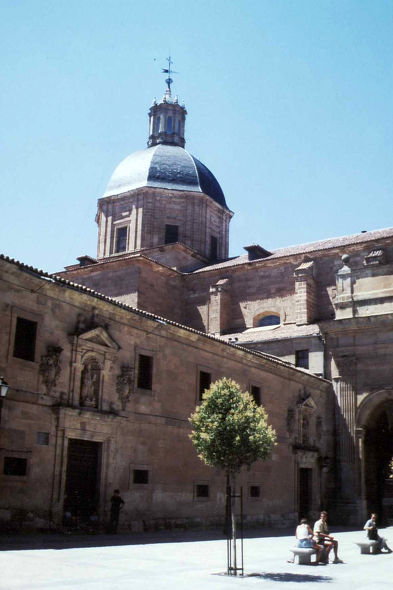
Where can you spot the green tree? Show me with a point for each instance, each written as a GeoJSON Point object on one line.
{"type": "Point", "coordinates": [231, 432]}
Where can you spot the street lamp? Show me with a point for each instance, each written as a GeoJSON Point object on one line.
{"type": "Point", "coordinates": [3, 387]}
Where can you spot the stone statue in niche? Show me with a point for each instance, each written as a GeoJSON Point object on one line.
{"type": "Point", "coordinates": [90, 384]}
{"type": "Point", "coordinates": [50, 367]}
{"type": "Point", "coordinates": [305, 430]}
{"type": "Point", "coordinates": [125, 385]}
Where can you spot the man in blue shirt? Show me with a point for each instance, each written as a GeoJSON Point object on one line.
{"type": "Point", "coordinates": [372, 533]}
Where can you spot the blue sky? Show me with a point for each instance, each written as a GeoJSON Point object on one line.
{"type": "Point", "coordinates": [289, 104]}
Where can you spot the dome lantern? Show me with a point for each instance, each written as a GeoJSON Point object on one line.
{"type": "Point", "coordinates": [167, 118]}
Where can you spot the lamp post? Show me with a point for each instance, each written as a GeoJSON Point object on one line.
{"type": "Point", "coordinates": [3, 392]}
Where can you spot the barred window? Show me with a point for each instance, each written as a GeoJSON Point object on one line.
{"type": "Point", "coordinates": [202, 490]}
{"type": "Point", "coordinates": [25, 339]}
{"type": "Point", "coordinates": [302, 359]}
{"type": "Point", "coordinates": [255, 491]}
{"type": "Point", "coordinates": [141, 476]}
{"type": "Point", "coordinates": [42, 438]}
{"type": "Point", "coordinates": [256, 394]}
{"type": "Point", "coordinates": [145, 372]}
{"type": "Point", "coordinates": [205, 380]}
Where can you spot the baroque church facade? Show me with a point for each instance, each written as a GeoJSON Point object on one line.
{"type": "Point", "coordinates": [107, 359]}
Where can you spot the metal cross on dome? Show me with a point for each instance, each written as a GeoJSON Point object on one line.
{"type": "Point", "coordinates": [169, 72]}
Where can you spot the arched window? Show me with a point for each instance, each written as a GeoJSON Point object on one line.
{"type": "Point", "coordinates": [90, 383]}
{"type": "Point", "coordinates": [158, 125]}
{"type": "Point", "coordinates": [269, 320]}
{"type": "Point", "coordinates": [169, 125]}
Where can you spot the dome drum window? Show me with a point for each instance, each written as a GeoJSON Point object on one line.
{"type": "Point", "coordinates": [271, 319]}
{"type": "Point", "coordinates": [121, 240]}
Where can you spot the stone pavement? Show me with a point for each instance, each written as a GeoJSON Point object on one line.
{"type": "Point", "coordinates": [180, 561]}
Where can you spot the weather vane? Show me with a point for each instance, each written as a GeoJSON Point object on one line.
{"type": "Point", "coordinates": [169, 72]}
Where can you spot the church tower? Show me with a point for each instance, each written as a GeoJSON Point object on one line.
{"type": "Point", "coordinates": [163, 194]}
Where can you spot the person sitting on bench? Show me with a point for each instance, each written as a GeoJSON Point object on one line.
{"type": "Point", "coordinates": [322, 536]}
{"type": "Point", "coordinates": [372, 533]}
{"type": "Point", "coordinates": [304, 539]}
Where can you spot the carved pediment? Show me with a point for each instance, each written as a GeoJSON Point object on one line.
{"type": "Point", "coordinates": [99, 336]}
{"type": "Point", "coordinates": [307, 406]}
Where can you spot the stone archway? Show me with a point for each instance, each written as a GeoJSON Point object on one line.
{"type": "Point", "coordinates": [375, 417]}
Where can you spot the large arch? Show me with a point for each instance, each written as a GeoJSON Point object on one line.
{"type": "Point", "coordinates": [375, 421]}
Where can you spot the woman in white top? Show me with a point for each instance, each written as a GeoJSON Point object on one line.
{"type": "Point", "coordinates": [304, 536]}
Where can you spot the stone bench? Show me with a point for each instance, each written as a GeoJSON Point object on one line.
{"type": "Point", "coordinates": [367, 547]}
{"type": "Point", "coordinates": [303, 555]}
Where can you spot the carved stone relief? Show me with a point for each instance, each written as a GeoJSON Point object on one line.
{"type": "Point", "coordinates": [50, 367]}
{"type": "Point", "coordinates": [290, 421]}
{"type": "Point", "coordinates": [307, 459]}
{"type": "Point", "coordinates": [125, 385]}
{"type": "Point", "coordinates": [319, 428]}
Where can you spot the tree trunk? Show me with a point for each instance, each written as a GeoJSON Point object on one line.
{"type": "Point", "coordinates": [233, 515]}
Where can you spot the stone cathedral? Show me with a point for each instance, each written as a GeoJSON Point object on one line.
{"type": "Point", "coordinates": [106, 360]}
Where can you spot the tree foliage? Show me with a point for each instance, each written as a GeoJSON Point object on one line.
{"type": "Point", "coordinates": [230, 430]}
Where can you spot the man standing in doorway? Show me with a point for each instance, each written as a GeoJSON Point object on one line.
{"type": "Point", "coordinates": [322, 537]}
{"type": "Point", "coordinates": [117, 504]}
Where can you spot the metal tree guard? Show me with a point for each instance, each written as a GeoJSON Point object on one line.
{"type": "Point", "coordinates": [232, 570]}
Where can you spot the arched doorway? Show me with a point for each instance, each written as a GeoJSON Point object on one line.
{"type": "Point", "coordinates": [378, 453]}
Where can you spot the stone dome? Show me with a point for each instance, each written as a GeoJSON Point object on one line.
{"type": "Point", "coordinates": [168, 167]}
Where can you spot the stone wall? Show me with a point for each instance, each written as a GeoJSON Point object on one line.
{"type": "Point", "coordinates": [145, 212]}
{"type": "Point", "coordinates": [138, 429]}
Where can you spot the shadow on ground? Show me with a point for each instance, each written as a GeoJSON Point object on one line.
{"type": "Point", "coordinates": [287, 577]}
{"type": "Point", "coordinates": [51, 540]}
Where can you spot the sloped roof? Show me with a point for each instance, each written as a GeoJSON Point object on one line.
{"type": "Point", "coordinates": [55, 279]}
{"type": "Point", "coordinates": [330, 243]}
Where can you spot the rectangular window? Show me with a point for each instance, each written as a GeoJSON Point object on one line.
{"type": "Point", "coordinates": [121, 239]}
{"type": "Point", "coordinates": [171, 234]}
{"type": "Point", "coordinates": [25, 339]}
{"type": "Point", "coordinates": [42, 438]}
{"type": "Point", "coordinates": [15, 466]}
{"type": "Point", "coordinates": [202, 490]}
{"type": "Point", "coordinates": [141, 476]}
{"type": "Point", "coordinates": [145, 372]}
{"type": "Point", "coordinates": [205, 380]}
{"type": "Point", "coordinates": [255, 491]}
{"type": "Point", "coordinates": [302, 359]}
{"type": "Point", "coordinates": [213, 248]}
{"type": "Point", "coordinates": [256, 394]}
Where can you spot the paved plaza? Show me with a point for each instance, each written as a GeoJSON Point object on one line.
{"type": "Point", "coordinates": [179, 561]}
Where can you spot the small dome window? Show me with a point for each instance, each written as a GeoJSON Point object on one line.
{"type": "Point", "coordinates": [269, 320]}
{"type": "Point", "coordinates": [169, 125]}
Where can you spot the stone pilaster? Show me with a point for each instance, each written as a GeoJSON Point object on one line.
{"type": "Point", "coordinates": [344, 298]}
{"type": "Point", "coordinates": [219, 307]}
{"type": "Point", "coordinates": [305, 293]}
{"type": "Point", "coordinates": [345, 388]}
